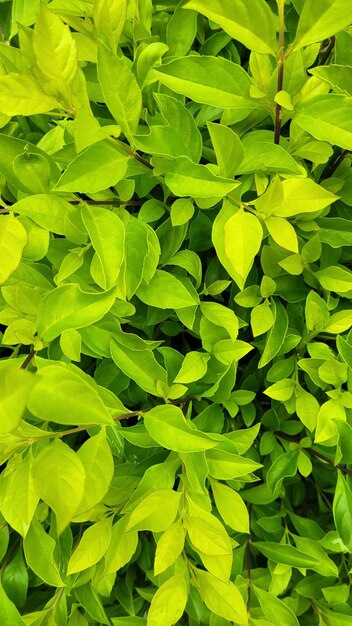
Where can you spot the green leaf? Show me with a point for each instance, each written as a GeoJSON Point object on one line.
{"type": "Point", "coordinates": [91, 548]}
{"type": "Point", "coordinates": [96, 168]}
{"type": "Point", "coordinates": [19, 498]}
{"type": "Point", "coordinates": [13, 239]}
{"type": "Point", "coordinates": [15, 579]}
{"type": "Point", "coordinates": [121, 92]}
{"type": "Point", "coordinates": [208, 536]}
{"type": "Point", "coordinates": [39, 550]}
{"type": "Point", "coordinates": [275, 610]}
{"type": "Point", "coordinates": [261, 157]}
{"type": "Point", "coordinates": [208, 80]}
{"type": "Point", "coordinates": [320, 21]}
{"type": "Point", "coordinates": [221, 316]}
{"type": "Point", "coordinates": [339, 322]}
{"type": "Point", "coordinates": [177, 116]}
{"type": "Point", "coordinates": [301, 195]}
{"type": "Point", "coordinates": [277, 334]}
{"type": "Point", "coordinates": [327, 118]}
{"type": "Point", "coordinates": [284, 465]}
{"type": "Point", "coordinates": [54, 214]}
{"type": "Point", "coordinates": [338, 76]}
{"type": "Point", "coordinates": [122, 546]}
{"type": "Point", "coordinates": [316, 312]}
{"type": "Point", "coordinates": [345, 350]}
{"type": "Point", "coordinates": [70, 307]}
{"type": "Point", "coordinates": [9, 614]}
{"type": "Point", "coordinates": [107, 234]}
{"type": "Point", "coordinates": [59, 479]}
{"type": "Point", "coordinates": [34, 171]}
{"type": "Point", "coordinates": [262, 319]}
{"type": "Point", "coordinates": [194, 367]}
{"type": "Point", "coordinates": [156, 512]}
{"type": "Point", "coordinates": [282, 390]}
{"type": "Point", "coordinates": [109, 18]}
{"type": "Point", "coordinates": [185, 178]}
{"type": "Point", "coordinates": [168, 603]}
{"type": "Point", "coordinates": [223, 599]}
{"type": "Point", "coordinates": [48, 399]}
{"type": "Point", "coordinates": [169, 428]}
{"type": "Point", "coordinates": [15, 388]}
{"type": "Point", "coordinates": [165, 291]}
{"type": "Point", "coordinates": [182, 211]}
{"type": "Point", "coordinates": [342, 510]}
{"type": "Point", "coordinates": [335, 279]}
{"type": "Point", "coordinates": [140, 365]}
{"type": "Point", "coordinates": [225, 465]}
{"type": "Point", "coordinates": [286, 554]}
{"type": "Point", "coordinates": [242, 239]}
{"type": "Point", "coordinates": [253, 25]}
{"type": "Point", "coordinates": [283, 233]}
{"type": "Point", "coordinates": [71, 344]}
{"type": "Point", "coordinates": [96, 457]}
{"type": "Point", "coordinates": [228, 148]}
{"type": "Point", "coordinates": [21, 94]}
{"type": "Point", "coordinates": [55, 53]}
{"type": "Point", "coordinates": [169, 547]}
{"type": "Point", "coordinates": [231, 507]}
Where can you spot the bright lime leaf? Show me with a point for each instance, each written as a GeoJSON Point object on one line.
{"type": "Point", "coordinates": [15, 388]}
{"type": "Point", "coordinates": [165, 291]}
{"type": "Point", "coordinates": [320, 20]}
{"type": "Point", "coordinates": [243, 235]}
{"type": "Point", "coordinates": [169, 428]}
{"type": "Point", "coordinates": [70, 307]}
{"type": "Point", "coordinates": [13, 238]}
{"type": "Point", "coordinates": [253, 25]}
{"type": "Point", "coordinates": [208, 80]}
{"type": "Point", "coordinates": [63, 487]}
{"type": "Point", "coordinates": [96, 168]}
{"type": "Point", "coordinates": [223, 599]}
{"type": "Point", "coordinates": [48, 399]}
{"type": "Point", "coordinates": [168, 603]}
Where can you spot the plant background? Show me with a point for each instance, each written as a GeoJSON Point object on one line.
{"type": "Point", "coordinates": [176, 354]}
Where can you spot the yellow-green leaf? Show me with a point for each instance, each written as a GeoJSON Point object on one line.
{"type": "Point", "coordinates": [13, 238]}
{"type": "Point", "coordinates": [91, 548]}
{"type": "Point", "coordinates": [59, 479]}
{"type": "Point", "coordinates": [243, 235]}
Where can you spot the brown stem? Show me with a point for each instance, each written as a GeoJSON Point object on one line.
{"type": "Point", "coordinates": [27, 360]}
{"type": "Point", "coordinates": [4, 210]}
{"type": "Point", "coordinates": [330, 169]}
{"type": "Point", "coordinates": [280, 74]}
{"type": "Point", "coordinates": [317, 454]}
{"type": "Point", "coordinates": [131, 153]}
{"type": "Point", "coordinates": [327, 51]}
{"type": "Point", "coordinates": [111, 202]}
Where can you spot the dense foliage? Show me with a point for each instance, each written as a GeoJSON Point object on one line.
{"type": "Point", "coordinates": [176, 361]}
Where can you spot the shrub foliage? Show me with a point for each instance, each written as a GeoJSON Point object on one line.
{"type": "Point", "coordinates": [176, 361]}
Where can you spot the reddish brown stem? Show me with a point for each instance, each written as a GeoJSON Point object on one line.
{"type": "Point", "coordinates": [27, 360]}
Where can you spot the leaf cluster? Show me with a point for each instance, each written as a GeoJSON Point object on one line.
{"type": "Point", "coordinates": [175, 312]}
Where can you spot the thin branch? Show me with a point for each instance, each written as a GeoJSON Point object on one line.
{"type": "Point", "coordinates": [4, 210]}
{"type": "Point", "coordinates": [327, 51]}
{"type": "Point", "coordinates": [281, 65]}
{"type": "Point", "coordinates": [27, 360]}
{"type": "Point", "coordinates": [131, 153]}
{"type": "Point", "coordinates": [330, 169]}
{"type": "Point", "coordinates": [111, 202]}
{"type": "Point", "coordinates": [317, 454]}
